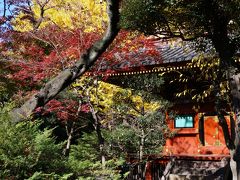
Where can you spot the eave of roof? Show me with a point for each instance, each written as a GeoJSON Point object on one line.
{"type": "Point", "coordinates": [171, 57]}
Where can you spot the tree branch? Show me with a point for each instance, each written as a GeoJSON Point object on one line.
{"type": "Point", "coordinates": [4, 8]}
{"type": "Point", "coordinates": [223, 123]}
{"type": "Point", "coordinates": [68, 76]}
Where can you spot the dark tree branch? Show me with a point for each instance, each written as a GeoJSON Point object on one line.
{"type": "Point", "coordinates": [178, 34]}
{"type": "Point", "coordinates": [232, 128]}
{"type": "Point", "coordinates": [68, 76]}
{"type": "Point", "coordinates": [201, 130]}
{"type": "Point", "coordinates": [42, 11]}
{"type": "Point", "coordinates": [29, 14]}
{"type": "Point", "coordinates": [4, 8]}
{"type": "Point", "coordinates": [223, 123]}
{"type": "Point", "coordinates": [3, 17]}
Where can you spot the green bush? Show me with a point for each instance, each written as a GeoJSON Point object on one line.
{"type": "Point", "coordinates": [26, 152]}
{"type": "Point", "coordinates": [85, 161]}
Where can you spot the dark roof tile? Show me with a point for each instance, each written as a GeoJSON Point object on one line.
{"type": "Point", "coordinates": [167, 54]}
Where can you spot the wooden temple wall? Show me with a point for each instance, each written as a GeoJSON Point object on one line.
{"type": "Point", "coordinates": [186, 144]}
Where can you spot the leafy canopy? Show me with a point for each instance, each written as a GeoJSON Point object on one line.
{"type": "Point", "coordinates": [185, 19]}
{"type": "Point", "coordinates": [89, 15]}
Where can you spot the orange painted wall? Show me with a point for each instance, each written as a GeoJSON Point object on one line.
{"type": "Point", "coordinates": [186, 141]}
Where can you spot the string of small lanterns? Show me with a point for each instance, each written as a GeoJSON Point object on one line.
{"type": "Point", "coordinates": [159, 69]}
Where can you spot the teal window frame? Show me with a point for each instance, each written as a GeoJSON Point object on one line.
{"type": "Point", "coordinates": [184, 121]}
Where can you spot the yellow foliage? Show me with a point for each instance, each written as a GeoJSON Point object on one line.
{"type": "Point", "coordinates": [88, 15]}
{"type": "Point", "coordinates": [103, 96]}
{"type": "Point", "coordinates": [106, 93]}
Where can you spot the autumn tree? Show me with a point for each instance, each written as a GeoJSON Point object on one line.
{"type": "Point", "coordinates": [126, 120]}
{"type": "Point", "coordinates": [47, 44]}
{"type": "Point", "coordinates": [36, 52]}
{"type": "Point", "coordinates": [139, 127]}
{"type": "Point", "coordinates": [67, 76]}
{"type": "Point", "coordinates": [213, 23]}
{"type": "Point", "coordinates": [47, 49]}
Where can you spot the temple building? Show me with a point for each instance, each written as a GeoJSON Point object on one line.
{"type": "Point", "coordinates": [198, 148]}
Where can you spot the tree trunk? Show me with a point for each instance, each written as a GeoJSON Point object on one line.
{"type": "Point", "coordinates": [4, 8]}
{"type": "Point", "coordinates": [141, 172]}
{"type": "Point", "coordinates": [97, 127]}
{"type": "Point", "coordinates": [68, 76]}
{"type": "Point", "coordinates": [141, 147]}
{"type": "Point", "coordinates": [233, 166]}
{"type": "Point", "coordinates": [69, 139]}
{"type": "Point", "coordinates": [103, 158]}
{"type": "Point", "coordinates": [226, 71]}
{"type": "Point", "coordinates": [235, 153]}
{"type": "Point", "coordinates": [101, 144]}
{"type": "Point", "coordinates": [231, 137]}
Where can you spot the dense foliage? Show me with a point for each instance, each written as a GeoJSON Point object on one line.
{"type": "Point", "coordinates": [84, 132]}
{"type": "Point", "coordinates": [28, 152]}
{"type": "Point", "coordinates": [213, 26]}
{"type": "Point", "coordinates": [69, 114]}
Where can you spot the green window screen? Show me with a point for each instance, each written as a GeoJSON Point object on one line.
{"type": "Point", "coordinates": [183, 121]}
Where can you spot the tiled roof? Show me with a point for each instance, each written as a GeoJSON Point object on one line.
{"type": "Point", "coordinates": [139, 61]}
{"type": "Point", "coordinates": [168, 53]}
{"type": "Point", "coordinates": [176, 53]}
{"type": "Point", "coordinates": [170, 56]}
